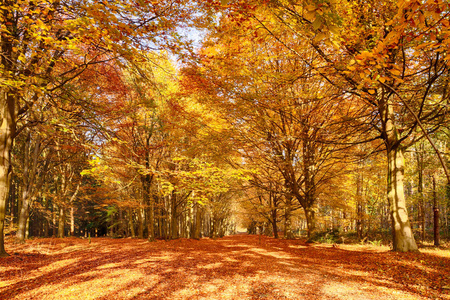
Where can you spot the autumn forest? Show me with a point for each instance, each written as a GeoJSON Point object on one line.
{"type": "Point", "coordinates": [181, 123]}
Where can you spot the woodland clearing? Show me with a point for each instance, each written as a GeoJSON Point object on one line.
{"type": "Point", "coordinates": [233, 267]}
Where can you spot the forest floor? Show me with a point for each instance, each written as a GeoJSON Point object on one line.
{"type": "Point", "coordinates": [233, 267]}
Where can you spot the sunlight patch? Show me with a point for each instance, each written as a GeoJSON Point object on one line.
{"type": "Point", "coordinates": [297, 247]}
{"type": "Point", "coordinates": [115, 284]}
{"type": "Point", "coordinates": [285, 263]}
{"type": "Point", "coordinates": [338, 290]}
{"type": "Point", "coordinates": [109, 266]}
{"type": "Point", "coordinates": [238, 245]}
{"type": "Point", "coordinates": [278, 254]}
{"type": "Point", "coordinates": [211, 266]}
{"type": "Point", "coordinates": [229, 259]}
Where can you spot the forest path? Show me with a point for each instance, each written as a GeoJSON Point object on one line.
{"type": "Point", "coordinates": [233, 267]}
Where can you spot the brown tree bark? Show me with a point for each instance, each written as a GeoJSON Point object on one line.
{"type": "Point", "coordinates": [130, 222]}
{"type": "Point", "coordinates": [359, 206]}
{"type": "Point", "coordinates": [7, 128]}
{"type": "Point", "coordinates": [173, 216]}
{"type": "Point", "coordinates": [403, 238]}
{"type": "Point", "coordinates": [274, 215]}
{"type": "Point", "coordinates": [310, 221]}
{"type": "Point", "coordinates": [7, 117]}
{"type": "Point", "coordinates": [198, 221]}
{"type": "Point", "coordinates": [54, 208]}
{"type": "Point", "coordinates": [141, 219]}
{"type": "Point", "coordinates": [435, 214]}
{"type": "Point", "coordinates": [61, 221]}
{"type": "Point", "coordinates": [288, 234]}
{"type": "Point", "coordinates": [421, 204]}
{"type": "Point", "coordinates": [151, 219]}
{"type": "Point", "coordinates": [72, 222]}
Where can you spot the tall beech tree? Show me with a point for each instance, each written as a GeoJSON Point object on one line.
{"type": "Point", "coordinates": [393, 55]}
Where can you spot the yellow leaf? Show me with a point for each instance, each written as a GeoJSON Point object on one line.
{"type": "Point", "coordinates": [320, 36]}
{"type": "Point", "coordinates": [22, 58]}
{"type": "Point", "coordinates": [317, 23]}
{"type": "Point", "coordinates": [333, 29]}
{"type": "Point", "coordinates": [335, 43]}
{"type": "Point", "coordinates": [372, 92]}
{"type": "Point", "coordinates": [310, 15]}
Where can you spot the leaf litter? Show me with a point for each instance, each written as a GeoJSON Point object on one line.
{"type": "Point", "coordinates": [233, 267]}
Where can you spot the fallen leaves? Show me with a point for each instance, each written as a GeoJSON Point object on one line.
{"type": "Point", "coordinates": [234, 267]}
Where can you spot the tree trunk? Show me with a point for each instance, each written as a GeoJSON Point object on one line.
{"type": "Point", "coordinates": [310, 221]}
{"type": "Point", "coordinates": [121, 226]}
{"type": "Point", "coordinates": [159, 214]}
{"type": "Point", "coordinates": [27, 228]}
{"type": "Point", "coordinates": [46, 227]}
{"type": "Point", "coordinates": [146, 181]}
{"type": "Point", "coordinates": [213, 226]}
{"type": "Point", "coordinates": [12, 206]}
{"type": "Point", "coordinates": [61, 221]}
{"type": "Point", "coordinates": [173, 218]}
{"type": "Point", "coordinates": [198, 221]}
{"type": "Point", "coordinates": [402, 235]}
{"type": "Point", "coordinates": [421, 211]}
{"type": "Point", "coordinates": [403, 238]}
{"type": "Point", "coordinates": [288, 234]}
{"type": "Point", "coordinates": [436, 214]}
{"type": "Point", "coordinates": [71, 201]}
{"type": "Point", "coordinates": [53, 220]}
{"type": "Point", "coordinates": [151, 221]}
{"type": "Point", "coordinates": [23, 217]}
{"type": "Point", "coordinates": [130, 222]}
{"type": "Point", "coordinates": [190, 221]}
{"type": "Point", "coordinates": [7, 117]}
{"type": "Point", "coordinates": [184, 225]}
{"type": "Point", "coordinates": [421, 205]}
{"type": "Point", "coordinates": [72, 222]}
{"type": "Point", "coordinates": [275, 230]}
{"type": "Point", "coordinates": [274, 223]}
{"type": "Point", "coordinates": [141, 219]}
{"type": "Point", "coordinates": [359, 206]}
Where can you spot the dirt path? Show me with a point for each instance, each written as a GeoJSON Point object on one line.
{"type": "Point", "coordinates": [236, 267]}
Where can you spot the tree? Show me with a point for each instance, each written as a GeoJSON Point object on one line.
{"type": "Point", "coordinates": [391, 55]}
{"type": "Point", "coordinates": [36, 36]}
